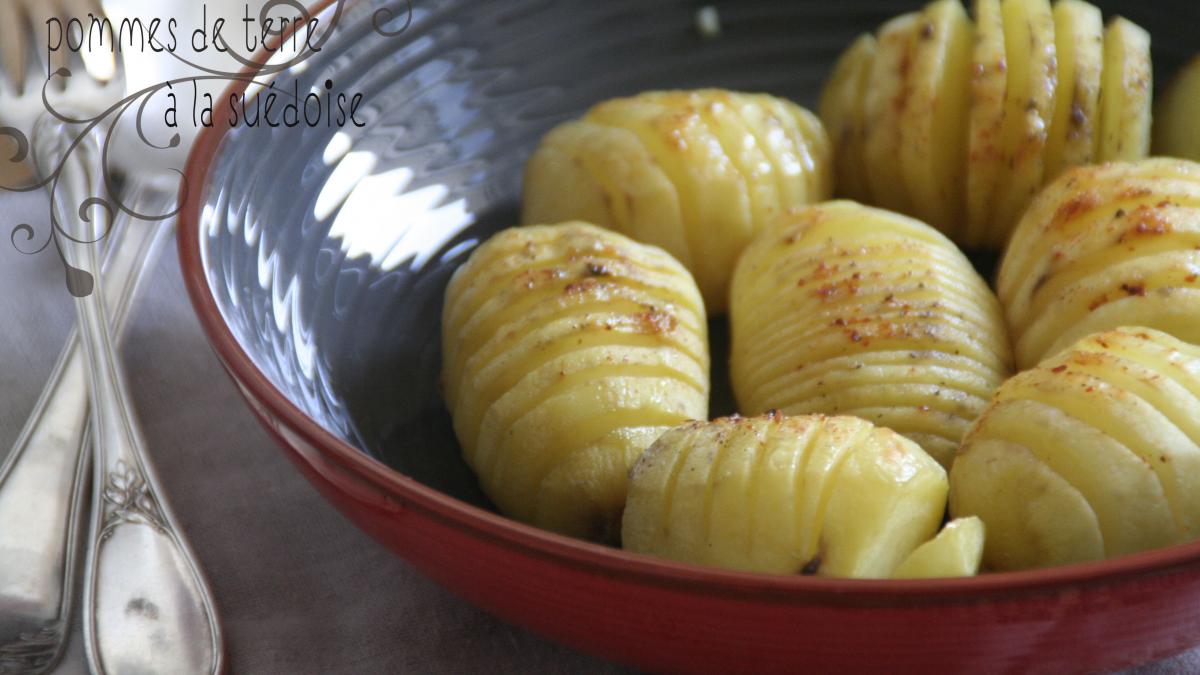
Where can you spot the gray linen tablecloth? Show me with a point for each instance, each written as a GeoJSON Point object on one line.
{"type": "Point", "coordinates": [300, 589]}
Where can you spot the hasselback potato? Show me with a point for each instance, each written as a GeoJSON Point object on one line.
{"type": "Point", "coordinates": [695, 172]}
{"type": "Point", "coordinates": [833, 496]}
{"type": "Point", "coordinates": [1094, 453]}
{"type": "Point", "coordinates": [567, 350]}
{"type": "Point", "coordinates": [1105, 246]}
{"type": "Point", "coordinates": [960, 122]}
{"type": "Point", "coordinates": [845, 309]}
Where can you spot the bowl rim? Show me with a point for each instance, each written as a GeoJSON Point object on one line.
{"type": "Point", "coordinates": [582, 555]}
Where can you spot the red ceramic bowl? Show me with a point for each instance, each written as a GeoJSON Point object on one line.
{"type": "Point", "coordinates": [324, 311]}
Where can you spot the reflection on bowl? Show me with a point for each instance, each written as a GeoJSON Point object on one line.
{"type": "Point", "coordinates": [317, 258]}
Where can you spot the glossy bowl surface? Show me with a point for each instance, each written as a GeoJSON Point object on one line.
{"type": "Point", "coordinates": [316, 261]}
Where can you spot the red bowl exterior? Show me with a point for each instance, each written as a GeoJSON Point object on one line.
{"type": "Point", "coordinates": [670, 617]}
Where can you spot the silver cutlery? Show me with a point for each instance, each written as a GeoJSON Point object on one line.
{"type": "Point", "coordinates": [43, 479]}
{"type": "Point", "coordinates": [146, 605]}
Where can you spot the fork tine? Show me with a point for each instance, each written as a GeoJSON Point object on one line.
{"type": "Point", "coordinates": [41, 11]}
{"type": "Point", "coordinates": [13, 45]}
{"type": "Point", "coordinates": [72, 59]}
{"type": "Point", "coordinates": [99, 61]}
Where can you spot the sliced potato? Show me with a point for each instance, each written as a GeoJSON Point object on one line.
{"type": "Point", "coordinates": [750, 159]}
{"type": "Point", "coordinates": [1105, 246]}
{"type": "Point", "coordinates": [932, 149]}
{"type": "Point", "coordinates": [831, 496]}
{"type": "Point", "coordinates": [567, 350]}
{"type": "Point", "coordinates": [1176, 132]}
{"type": "Point", "coordinates": [1028, 110]}
{"type": "Point", "coordinates": [951, 119]}
{"type": "Point", "coordinates": [812, 151]}
{"type": "Point", "coordinates": [846, 309]}
{"type": "Point", "coordinates": [1079, 39]}
{"type": "Point", "coordinates": [955, 552]}
{"type": "Point", "coordinates": [606, 175]}
{"type": "Point", "coordinates": [841, 111]}
{"type": "Point", "coordinates": [695, 172]}
{"type": "Point", "coordinates": [1125, 95]}
{"type": "Point", "coordinates": [985, 150]}
{"type": "Point", "coordinates": [713, 197]}
{"type": "Point", "coordinates": [1013, 493]}
{"type": "Point", "coordinates": [1094, 453]}
{"type": "Point", "coordinates": [884, 103]}
{"type": "Point", "coordinates": [915, 119]}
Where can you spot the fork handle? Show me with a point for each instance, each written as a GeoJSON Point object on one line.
{"type": "Point", "coordinates": [41, 479]}
{"type": "Point", "coordinates": [147, 607]}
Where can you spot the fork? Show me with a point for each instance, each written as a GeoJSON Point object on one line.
{"type": "Point", "coordinates": [147, 607]}
{"type": "Point", "coordinates": [21, 21]}
{"type": "Point", "coordinates": [43, 479]}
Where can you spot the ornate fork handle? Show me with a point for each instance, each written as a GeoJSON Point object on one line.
{"type": "Point", "coordinates": [42, 480]}
{"type": "Point", "coordinates": [147, 607]}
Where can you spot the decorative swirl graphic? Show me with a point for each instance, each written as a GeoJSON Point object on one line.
{"type": "Point", "coordinates": [25, 237]}
{"type": "Point", "coordinates": [385, 15]}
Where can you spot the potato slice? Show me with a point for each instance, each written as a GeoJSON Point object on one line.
{"type": "Point", "coordinates": [841, 111]}
{"type": "Point", "coordinates": [606, 175]}
{"type": "Point", "coordinates": [1028, 110]}
{"type": "Point", "coordinates": [696, 172]}
{"type": "Point", "coordinates": [831, 496]}
{"type": "Point", "coordinates": [1069, 211]}
{"type": "Point", "coordinates": [1119, 296]}
{"type": "Point", "coordinates": [955, 552]}
{"type": "Point", "coordinates": [1176, 133]}
{"type": "Point", "coordinates": [1039, 412]}
{"type": "Point", "coordinates": [1125, 95]}
{"type": "Point", "coordinates": [985, 149]}
{"type": "Point", "coordinates": [953, 116]}
{"type": "Point", "coordinates": [721, 114]}
{"type": "Point", "coordinates": [1156, 417]}
{"type": "Point", "coordinates": [932, 123]}
{"type": "Point", "coordinates": [887, 497]}
{"type": "Point", "coordinates": [567, 350]}
{"type": "Point", "coordinates": [1079, 40]}
{"type": "Point", "coordinates": [886, 97]}
{"type": "Point", "coordinates": [1105, 246]}
{"type": "Point", "coordinates": [845, 309]}
{"type": "Point", "coordinates": [1033, 517]}
{"type": "Point", "coordinates": [811, 154]}
{"type": "Point", "coordinates": [1094, 453]}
